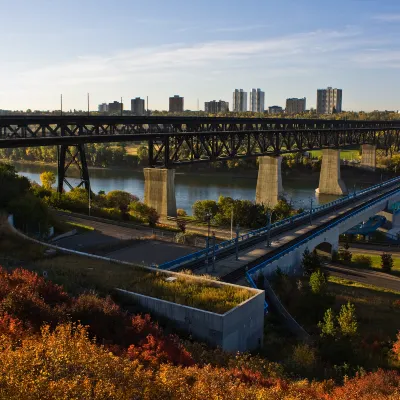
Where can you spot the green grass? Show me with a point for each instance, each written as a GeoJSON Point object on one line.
{"type": "Point", "coordinates": [344, 154]}
{"type": "Point", "coordinates": [80, 227]}
{"type": "Point", "coordinates": [79, 274]}
{"type": "Point", "coordinates": [377, 309]}
{"type": "Point", "coordinates": [347, 282]}
{"type": "Point", "coordinates": [376, 260]}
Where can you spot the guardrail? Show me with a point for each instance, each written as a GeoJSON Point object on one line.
{"type": "Point", "coordinates": [317, 233]}
{"type": "Point", "coordinates": [264, 230]}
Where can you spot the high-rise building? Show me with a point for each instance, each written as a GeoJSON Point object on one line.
{"type": "Point", "coordinates": [329, 101]}
{"type": "Point", "coordinates": [103, 108]}
{"type": "Point", "coordinates": [257, 100]}
{"type": "Point", "coordinates": [137, 106]}
{"type": "Point", "coordinates": [295, 106]}
{"type": "Point", "coordinates": [115, 107]}
{"type": "Point", "coordinates": [275, 110]}
{"type": "Point", "coordinates": [239, 100]}
{"type": "Point", "coordinates": [215, 107]}
{"type": "Point", "coordinates": [176, 104]}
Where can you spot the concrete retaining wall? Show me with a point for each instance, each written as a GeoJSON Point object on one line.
{"type": "Point", "coordinates": [239, 329]}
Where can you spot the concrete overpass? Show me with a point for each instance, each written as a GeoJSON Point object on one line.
{"type": "Point", "coordinates": [290, 237]}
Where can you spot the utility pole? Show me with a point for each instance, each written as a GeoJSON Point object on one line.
{"type": "Point", "coordinates": [147, 102]}
{"type": "Point", "coordinates": [269, 229]}
{"type": "Point", "coordinates": [88, 102]}
{"type": "Point", "coordinates": [213, 252]}
{"type": "Point", "coordinates": [61, 104]}
{"type": "Point", "coordinates": [232, 224]}
{"type": "Point", "coordinates": [237, 242]}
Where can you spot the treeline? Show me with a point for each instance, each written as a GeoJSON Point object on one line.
{"type": "Point", "coordinates": [245, 213]}
{"type": "Point", "coordinates": [97, 155]}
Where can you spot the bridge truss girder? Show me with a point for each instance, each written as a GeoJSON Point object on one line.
{"type": "Point", "coordinates": [68, 158]}
{"type": "Point", "coordinates": [170, 150]}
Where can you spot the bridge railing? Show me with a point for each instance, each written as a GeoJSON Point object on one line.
{"type": "Point", "coordinates": [318, 233]}
{"type": "Point", "coordinates": [264, 230]}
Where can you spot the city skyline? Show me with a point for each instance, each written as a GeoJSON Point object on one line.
{"type": "Point", "coordinates": [200, 55]}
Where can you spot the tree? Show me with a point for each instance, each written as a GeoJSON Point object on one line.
{"type": "Point", "coordinates": [181, 224]}
{"type": "Point", "coordinates": [144, 211]}
{"type": "Point", "coordinates": [310, 262]}
{"type": "Point", "coordinates": [345, 255]}
{"type": "Point", "coordinates": [48, 179]}
{"type": "Point", "coordinates": [328, 325]}
{"type": "Point", "coordinates": [386, 262]}
{"type": "Point", "coordinates": [120, 199]}
{"type": "Point", "coordinates": [202, 207]}
{"type": "Point", "coordinates": [318, 282]}
{"type": "Point", "coordinates": [347, 320]}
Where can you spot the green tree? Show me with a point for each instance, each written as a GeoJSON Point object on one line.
{"type": "Point", "coordinates": [202, 207]}
{"type": "Point", "coordinates": [318, 282]}
{"type": "Point", "coordinates": [310, 262]}
{"type": "Point", "coordinates": [328, 325]}
{"type": "Point", "coordinates": [145, 212]}
{"type": "Point", "coordinates": [347, 320]}
{"type": "Point", "coordinates": [120, 199]}
{"type": "Point", "coordinates": [48, 179]}
{"type": "Point", "coordinates": [386, 262]}
{"type": "Point", "coordinates": [345, 255]}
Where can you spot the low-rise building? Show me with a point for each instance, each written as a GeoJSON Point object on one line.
{"type": "Point", "coordinates": [275, 110]}
{"type": "Point", "coordinates": [115, 107]}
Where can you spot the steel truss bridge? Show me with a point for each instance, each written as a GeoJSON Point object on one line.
{"type": "Point", "coordinates": [174, 141]}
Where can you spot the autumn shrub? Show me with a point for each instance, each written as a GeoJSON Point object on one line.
{"type": "Point", "coordinates": [362, 261]}
{"type": "Point", "coordinates": [396, 347]}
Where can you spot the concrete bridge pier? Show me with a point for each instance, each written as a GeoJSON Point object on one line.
{"type": "Point", "coordinates": [159, 190]}
{"type": "Point", "coordinates": [269, 182]}
{"type": "Point", "coordinates": [329, 179]}
{"type": "Point", "coordinates": [368, 156]}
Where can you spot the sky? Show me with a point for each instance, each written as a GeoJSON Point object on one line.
{"type": "Point", "coordinates": [198, 49]}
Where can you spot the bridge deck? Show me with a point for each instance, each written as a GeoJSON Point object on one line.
{"type": "Point", "coordinates": [229, 264]}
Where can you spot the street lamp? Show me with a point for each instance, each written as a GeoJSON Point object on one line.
{"type": "Point", "coordinates": [311, 201]}
{"type": "Point", "coordinates": [90, 192]}
{"type": "Point", "coordinates": [208, 217]}
{"type": "Point", "coordinates": [269, 215]}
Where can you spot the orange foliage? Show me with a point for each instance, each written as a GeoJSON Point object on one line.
{"type": "Point", "coordinates": [63, 361]}
{"type": "Point", "coordinates": [396, 347]}
{"type": "Point", "coordinates": [374, 386]}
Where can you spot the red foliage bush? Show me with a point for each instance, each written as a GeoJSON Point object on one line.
{"type": "Point", "coordinates": [396, 347]}
{"type": "Point", "coordinates": [374, 386]}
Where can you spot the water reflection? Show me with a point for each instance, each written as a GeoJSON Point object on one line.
{"type": "Point", "coordinates": [191, 186]}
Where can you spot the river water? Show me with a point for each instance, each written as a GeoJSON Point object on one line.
{"type": "Point", "coordinates": [190, 187]}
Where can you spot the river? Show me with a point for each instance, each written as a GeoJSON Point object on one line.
{"type": "Point", "coordinates": [190, 187]}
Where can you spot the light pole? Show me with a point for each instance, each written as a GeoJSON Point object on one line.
{"type": "Point", "coordinates": [232, 224]}
{"type": "Point", "coordinates": [90, 192]}
{"type": "Point", "coordinates": [237, 242]}
{"type": "Point", "coordinates": [311, 201]}
{"type": "Point", "coordinates": [208, 217]}
{"type": "Point", "coordinates": [213, 252]}
{"type": "Point", "coordinates": [269, 214]}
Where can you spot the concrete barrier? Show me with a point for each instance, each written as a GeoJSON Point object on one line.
{"type": "Point", "coordinates": [239, 329]}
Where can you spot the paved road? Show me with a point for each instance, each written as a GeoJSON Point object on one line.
{"type": "Point", "coordinates": [375, 278]}
{"type": "Point", "coordinates": [373, 249]}
{"type": "Point", "coordinates": [144, 251]}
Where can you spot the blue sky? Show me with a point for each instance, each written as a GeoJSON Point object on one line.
{"type": "Point", "coordinates": [198, 49]}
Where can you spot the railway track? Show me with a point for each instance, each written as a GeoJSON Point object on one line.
{"type": "Point", "coordinates": [238, 274]}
